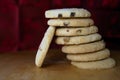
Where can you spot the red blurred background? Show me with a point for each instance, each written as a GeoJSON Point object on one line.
{"type": "Point", "coordinates": [22, 22]}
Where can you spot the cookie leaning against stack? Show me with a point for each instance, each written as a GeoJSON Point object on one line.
{"type": "Point", "coordinates": [44, 46]}
{"type": "Point", "coordinates": [75, 30]}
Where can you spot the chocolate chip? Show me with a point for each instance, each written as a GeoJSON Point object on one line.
{"type": "Point", "coordinates": [67, 30]}
{"type": "Point", "coordinates": [66, 39]}
{"type": "Point", "coordinates": [72, 14]}
{"type": "Point", "coordinates": [66, 23]}
{"type": "Point", "coordinates": [59, 15]}
{"type": "Point", "coordinates": [78, 31]}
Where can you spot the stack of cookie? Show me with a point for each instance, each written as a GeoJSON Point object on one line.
{"type": "Point", "coordinates": [78, 35]}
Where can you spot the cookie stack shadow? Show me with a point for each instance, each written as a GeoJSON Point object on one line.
{"type": "Point", "coordinates": [82, 43]}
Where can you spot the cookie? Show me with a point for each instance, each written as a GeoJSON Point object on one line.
{"type": "Point", "coordinates": [70, 22]}
{"type": "Point", "coordinates": [84, 48]}
{"type": "Point", "coordinates": [44, 46]}
{"type": "Point", "coordinates": [102, 64]}
{"type": "Point", "coordinates": [102, 54]}
{"type": "Point", "coordinates": [78, 39]}
{"type": "Point", "coordinates": [67, 13]}
{"type": "Point", "coordinates": [76, 31]}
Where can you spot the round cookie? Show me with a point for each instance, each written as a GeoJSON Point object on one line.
{"type": "Point", "coordinates": [102, 54]}
{"type": "Point", "coordinates": [84, 48]}
{"type": "Point", "coordinates": [67, 13]}
{"type": "Point", "coordinates": [76, 31]}
{"type": "Point", "coordinates": [71, 22]}
{"type": "Point", "coordinates": [78, 39]}
{"type": "Point", "coordinates": [44, 46]}
{"type": "Point", "coordinates": [102, 64]}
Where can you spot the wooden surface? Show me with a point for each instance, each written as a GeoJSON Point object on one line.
{"type": "Point", "coordinates": [20, 66]}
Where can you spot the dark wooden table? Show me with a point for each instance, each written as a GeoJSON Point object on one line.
{"type": "Point", "coordinates": [20, 66]}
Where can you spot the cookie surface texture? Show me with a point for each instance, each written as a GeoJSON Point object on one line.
{"type": "Point", "coordinates": [67, 13]}
{"type": "Point", "coordinates": [70, 22]}
{"type": "Point", "coordinates": [44, 46]}
{"type": "Point", "coordinates": [102, 64]}
{"type": "Point", "coordinates": [84, 48]}
{"type": "Point", "coordinates": [102, 54]}
{"type": "Point", "coordinates": [76, 31]}
{"type": "Point", "coordinates": [78, 39]}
